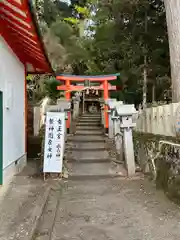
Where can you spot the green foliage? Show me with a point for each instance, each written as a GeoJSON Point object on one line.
{"type": "Point", "coordinates": [84, 11]}
{"type": "Point", "coordinates": [29, 77]}
{"type": "Point", "coordinates": [61, 26]}
{"type": "Point", "coordinates": [51, 88]}
{"type": "Point", "coordinates": [72, 20]}
{"type": "Point", "coordinates": [120, 42]}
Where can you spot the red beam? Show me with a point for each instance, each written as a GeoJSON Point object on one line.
{"type": "Point", "coordinates": [35, 62]}
{"type": "Point", "coordinates": [78, 88]}
{"type": "Point", "coordinates": [17, 42]}
{"type": "Point", "coordinates": [19, 54]}
{"type": "Point", "coordinates": [27, 45]}
{"type": "Point", "coordinates": [25, 5]}
{"type": "Point", "coordinates": [37, 58]}
{"type": "Point", "coordinates": [18, 29]}
{"type": "Point", "coordinates": [13, 12]}
{"type": "Point", "coordinates": [24, 27]}
{"type": "Point", "coordinates": [80, 79]}
{"type": "Point", "coordinates": [17, 33]}
{"type": "Point", "coordinates": [33, 54]}
{"type": "Point", "coordinates": [22, 54]}
{"type": "Point", "coordinates": [16, 4]}
{"type": "Point", "coordinates": [12, 20]}
{"type": "Point", "coordinates": [72, 88]}
{"type": "Point", "coordinates": [40, 55]}
{"type": "Point", "coordinates": [21, 36]}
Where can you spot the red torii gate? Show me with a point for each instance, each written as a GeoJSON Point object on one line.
{"type": "Point", "coordinates": [105, 86]}
{"type": "Point", "coordinates": [81, 88]}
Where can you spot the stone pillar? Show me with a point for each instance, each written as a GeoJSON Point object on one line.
{"type": "Point", "coordinates": [111, 102]}
{"type": "Point", "coordinates": [111, 126]}
{"type": "Point", "coordinates": [36, 122]}
{"type": "Point", "coordinates": [75, 109]}
{"type": "Point", "coordinates": [128, 149]}
{"type": "Point", "coordinates": [125, 113]}
{"type": "Point", "coordinates": [106, 96]}
{"type": "Point", "coordinates": [102, 111]}
{"type": "Point", "coordinates": [76, 102]}
{"type": "Point", "coordinates": [118, 136]}
{"type": "Point", "coordinates": [102, 116]}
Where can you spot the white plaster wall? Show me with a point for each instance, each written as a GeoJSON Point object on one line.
{"type": "Point", "coordinates": [12, 85]}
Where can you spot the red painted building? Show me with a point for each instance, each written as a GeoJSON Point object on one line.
{"type": "Point", "coordinates": [21, 52]}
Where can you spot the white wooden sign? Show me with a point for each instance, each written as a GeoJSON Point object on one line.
{"type": "Point", "coordinates": [54, 142]}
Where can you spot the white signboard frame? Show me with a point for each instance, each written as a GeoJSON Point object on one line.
{"type": "Point", "coordinates": [54, 142]}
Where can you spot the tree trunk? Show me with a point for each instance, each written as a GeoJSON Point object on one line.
{"type": "Point", "coordinates": [173, 26]}
{"type": "Point", "coordinates": [145, 83]}
{"type": "Point", "coordinates": [145, 68]}
{"type": "Point", "coordinates": [81, 27]}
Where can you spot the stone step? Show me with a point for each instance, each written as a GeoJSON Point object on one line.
{"type": "Point", "coordinates": [90, 119]}
{"type": "Point", "coordinates": [91, 115]}
{"type": "Point", "coordinates": [87, 133]}
{"type": "Point", "coordinates": [96, 127]}
{"type": "Point", "coordinates": [88, 128]}
{"type": "Point", "coordinates": [93, 171]}
{"type": "Point", "coordinates": [85, 140]}
{"type": "Point", "coordinates": [89, 154]}
{"type": "Point", "coordinates": [86, 149]}
{"type": "Point", "coordinates": [92, 126]}
{"type": "Point", "coordinates": [89, 145]}
{"type": "Point", "coordinates": [88, 161]}
{"type": "Point", "coordinates": [91, 138]}
{"type": "Point", "coordinates": [89, 124]}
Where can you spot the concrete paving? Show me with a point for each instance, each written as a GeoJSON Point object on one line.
{"type": "Point", "coordinates": [21, 206]}
{"type": "Point", "coordinates": [115, 209]}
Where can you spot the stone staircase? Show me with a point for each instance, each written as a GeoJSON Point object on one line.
{"type": "Point", "coordinates": [89, 156]}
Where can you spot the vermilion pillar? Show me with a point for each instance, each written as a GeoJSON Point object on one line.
{"type": "Point", "coordinates": [68, 97]}
{"type": "Point", "coordinates": [25, 110]}
{"type": "Point", "coordinates": [106, 96]}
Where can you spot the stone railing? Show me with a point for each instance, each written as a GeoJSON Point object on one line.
{"type": "Point", "coordinates": [159, 157]}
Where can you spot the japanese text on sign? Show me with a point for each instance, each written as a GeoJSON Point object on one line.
{"type": "Point", "coordinates": [54, 142]}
